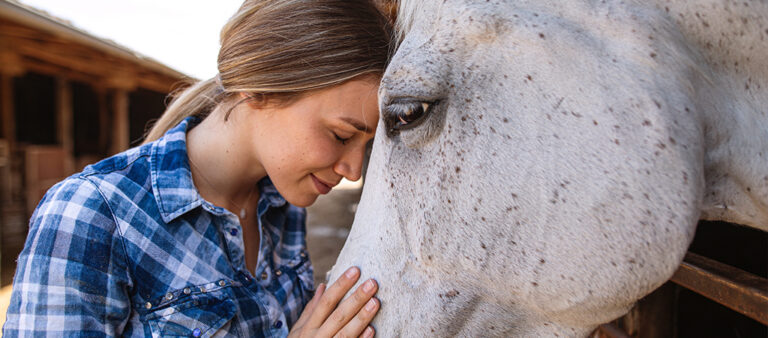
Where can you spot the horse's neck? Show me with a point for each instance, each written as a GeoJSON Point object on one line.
{"type": "Point", "coordinates": [732, 98]}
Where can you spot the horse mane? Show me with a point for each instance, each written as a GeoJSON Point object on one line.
{"type": "Point", "coordinates": [406, 16]}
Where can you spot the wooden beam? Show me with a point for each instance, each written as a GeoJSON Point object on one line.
{"type": "Point", "coordinates": [24, 19]}
{"type": "Point", "coordinates": [65, 119]}
{"type": "Point", "coordinates": [653, 315]}
{"type": "Point", "coordinates": [738, 290]}
{"type": "Point", "coordinates": [104, 120]}
{"type": "Point", "coordinates": [120, 122]}
{"type": "Point", "coordinates": [125, 81]}
{"type": "Point", "coordinates": [54, 56]}
{"type": "Point", "coordinates": [9, 134]}
{"type": "Point", "coordinates": [10, 63]}
{"type": "Point", "coordinates": [609, 331]}
{"type": "Point", "coordinates": [50, 53]}
{"type": "Point", "coordinates": [41, 67]}
{"type": "Point", "coordinates": [6, 111]}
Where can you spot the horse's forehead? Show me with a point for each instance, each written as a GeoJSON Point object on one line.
{"type": "Point", "coordinates": [479, 20]}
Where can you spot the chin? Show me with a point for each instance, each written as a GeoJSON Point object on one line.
{"type": "Point", "coordinates": [301, 201]}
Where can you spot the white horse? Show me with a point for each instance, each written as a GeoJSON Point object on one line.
{"type": "Point", "coordinates": [541, 165]}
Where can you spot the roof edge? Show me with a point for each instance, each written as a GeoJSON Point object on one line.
{"type": "Point", "coordinates": [27, 15]}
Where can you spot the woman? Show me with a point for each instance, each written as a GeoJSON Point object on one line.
{"type": "Point", "coordinates": [201, 230]}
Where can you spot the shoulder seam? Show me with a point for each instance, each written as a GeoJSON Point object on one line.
{"type": "Point", "coordinates": [114, 218]}
{"type": "Point", "coordinates": [102, 172]}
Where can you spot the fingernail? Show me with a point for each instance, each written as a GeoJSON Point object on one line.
{"type": "Point", "coordinates": [351, 272]}
{"type": "Point", "coordinates": [368, 286]}
{"type": "Point", "coordinates": [371, 305]}
{"type": "Point", "coordinates": [368, 332]}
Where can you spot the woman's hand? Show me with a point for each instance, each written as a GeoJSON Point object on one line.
{"type": "Point", "coordinates": [321, 317]}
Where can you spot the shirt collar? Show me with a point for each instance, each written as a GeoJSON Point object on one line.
{"type": "Point", "coordinates": [174, 190]}
{"type": "Point", "coordinates": [269, 193]}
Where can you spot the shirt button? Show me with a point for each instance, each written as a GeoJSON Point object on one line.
{"type": "Point", "coordinates": [148, 305]}
{"type": "Point", "coordinates": [278, 273]}
{"type": "Point", "coordinates": [168, 296]}
{"type": "Point", "coordinates": [264, 276]}
{"type": "Point", "coordinates": [303, 254]}
{"type": "Point", "coordinates": [196, 332]}
{"type": "Point", "coordinates": [233, 232]}
{"type": "Point", "coordinates": [278, 324]}
{"type": "Point", "coordinates": [187, 291]}
{"type": "Point", "coordinates": [222, 283]}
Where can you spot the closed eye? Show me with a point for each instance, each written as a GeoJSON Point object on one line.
{"type": "Point", "coordinates": [341, 139]}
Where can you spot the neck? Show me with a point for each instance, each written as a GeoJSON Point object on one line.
{"type": "Point", "coordinates": [223, 170]}
{"type": "Point", "coordinates": [731, 99]}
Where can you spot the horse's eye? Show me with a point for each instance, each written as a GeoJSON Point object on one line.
{"type": "Point", "coordinates": [405, 114]}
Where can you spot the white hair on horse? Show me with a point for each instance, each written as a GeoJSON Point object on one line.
{"type": "Point", "coordinates": [406, 16]}
{"type": "Point", "coordinates": [542, 165]}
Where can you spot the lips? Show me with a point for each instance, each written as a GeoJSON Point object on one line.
{"type": "Point", "coordinates": [322, 187]}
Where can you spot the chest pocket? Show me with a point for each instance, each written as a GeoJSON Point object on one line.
{"type": "Point", "coordinates": [197, 316]}
{"type": "Point", "coordinates": [294, 275]}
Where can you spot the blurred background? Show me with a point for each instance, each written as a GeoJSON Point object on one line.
{"type": "Point", "coordinates": [81, 79]}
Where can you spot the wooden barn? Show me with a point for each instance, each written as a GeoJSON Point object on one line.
{"type": "Point", "coordinates": [67, 99]}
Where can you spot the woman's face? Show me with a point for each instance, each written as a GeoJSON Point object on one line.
{"type": "Point", "coordinates": [307, 147]}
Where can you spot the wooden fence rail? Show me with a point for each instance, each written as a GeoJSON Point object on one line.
{"type": "Point", "coordinates": [738, 290]}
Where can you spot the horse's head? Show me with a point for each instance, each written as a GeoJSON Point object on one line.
{"type": "Point", "coordinates": [537, 168]}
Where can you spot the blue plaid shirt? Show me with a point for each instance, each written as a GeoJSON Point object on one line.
{"type": "Point", "coordinates": [128, 247]}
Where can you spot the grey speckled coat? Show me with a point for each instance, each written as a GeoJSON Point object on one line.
{"type": "Point", "coordinates": [566, 154]}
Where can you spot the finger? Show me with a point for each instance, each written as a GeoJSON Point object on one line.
{"type": "Point", "coordinates": [349, 308]}
{"type": "Point", "coordinates": [368, 333]}
{"type": "Point", "coordinates": [331, 297]}
{"type": "Point", "coordinates": [359, 323]}
{"type": "Point", "coordinates": [310, 306]}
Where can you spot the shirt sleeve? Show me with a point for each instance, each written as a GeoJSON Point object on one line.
{"type": "Point", "coordinates": [71, 278]}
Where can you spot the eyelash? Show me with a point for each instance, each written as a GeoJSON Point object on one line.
{"type": "Point", "coordinates": [342, 140]}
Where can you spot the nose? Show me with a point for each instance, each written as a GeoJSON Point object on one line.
{"type": "Point", "coordinates": [350, 164]}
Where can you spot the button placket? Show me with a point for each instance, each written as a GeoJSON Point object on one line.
{"type": "Point", "coordinates": [235, 248]}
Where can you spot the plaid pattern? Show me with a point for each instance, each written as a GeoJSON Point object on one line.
{"type": "Point", "coordinates": [128, 247]}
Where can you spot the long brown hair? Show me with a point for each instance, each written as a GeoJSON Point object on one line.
{"type": "Point", "coordinates": [280, 49]}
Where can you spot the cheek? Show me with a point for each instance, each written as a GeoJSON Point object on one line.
{"type": "Point", "coordinates": [320, 154]}
{"type": "Point", "coordinates": [306, 152]}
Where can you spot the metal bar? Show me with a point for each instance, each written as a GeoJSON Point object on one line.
{"type": "Point", "coordinates": [739, 290]}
